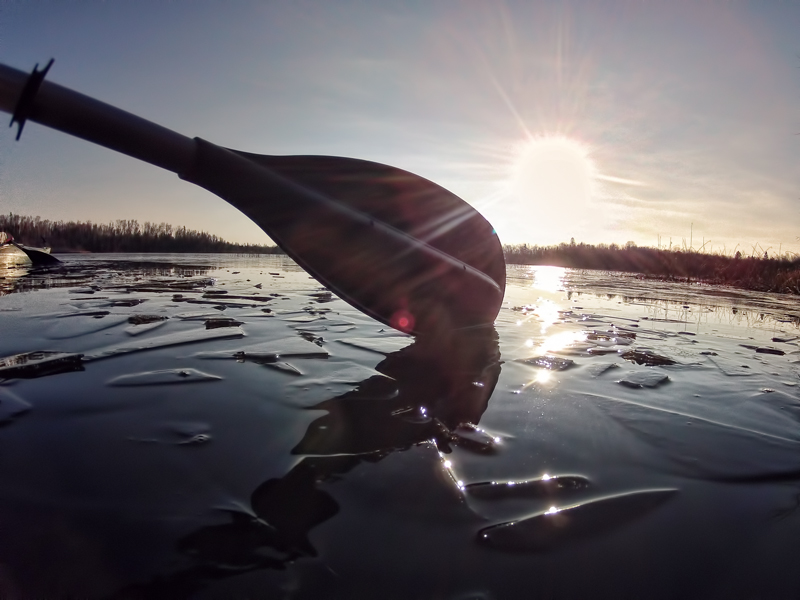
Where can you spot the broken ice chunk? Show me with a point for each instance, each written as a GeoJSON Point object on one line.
{"type": "Point", "coordinates": [598, 369]}
{"type": "Point", "coordinates": [38, 364]}
{"type": "Point", "coordinates": [268, 352]}
{"type": "Point", "coordinates": [643, 379]}
{"type": "Point", "coordinates": [197, 315]}
{"type": "Point", "coordinates": [553, 363]}
{"type": "Point", "coordinates": [381, 345]}
{"type": "Point", "coordinates": [161, 377]}
{"type": "Point", "coordinates": [173, 339]}
{"type": "Point", "coordinates": [350, 375]}
{"type": "Point", "coordinates": [469, 437]}
{"type": "Point", "coordinates": [217, 322]}
{"type": "Point", "coordinates": [558, 526]}
{"type": "Point", "coordinates": [545, 487]}
{"type": "Point", "coordinates": [647, 357]}
{"type": "Point", "coordinates": [285, 367]}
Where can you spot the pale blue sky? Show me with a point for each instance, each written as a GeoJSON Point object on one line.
{"type": "Point", "coordinates": [664, 114]}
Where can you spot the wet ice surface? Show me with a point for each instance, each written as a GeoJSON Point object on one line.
{"type": "Point", "coordinates": [248, 434]}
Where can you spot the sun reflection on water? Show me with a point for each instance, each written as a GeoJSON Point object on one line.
{"type": "Point", "coordinates": [548, 279]}
{"type": "Point", "coordinates": [560, 341]}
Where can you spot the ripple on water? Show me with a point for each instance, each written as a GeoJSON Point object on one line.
{"type": "Point", "coordinates": [74, 328]}
{"type": "Point", "coordinates": [11, 406]}
{"type": "Point", "coordinates": [752, 445]}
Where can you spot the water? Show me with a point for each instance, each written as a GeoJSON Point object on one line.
{"type": "Point", "coordinates": [234, 431]}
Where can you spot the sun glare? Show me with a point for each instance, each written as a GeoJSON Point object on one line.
{"type": "Point", "coordinates": [550, 191]}
{"type": "Point", "coordinates": [554, 171]}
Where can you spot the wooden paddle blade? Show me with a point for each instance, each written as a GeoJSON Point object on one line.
{"type": "Point", "coordinates": [394, 245]}
{"type": "Point", "coordinates": [408, 202]}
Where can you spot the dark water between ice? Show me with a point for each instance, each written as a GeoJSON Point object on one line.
{"type": "Point", "coordinates": [233, 431]}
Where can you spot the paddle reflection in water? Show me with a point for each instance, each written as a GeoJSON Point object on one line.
{"type": "Point", "coordinates": [433, 390]}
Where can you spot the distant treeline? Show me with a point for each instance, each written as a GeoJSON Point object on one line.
{"type": "Point", "coordinates": [119, 236]}
{"type": "Point", "coordinates": [763, 273]}
{"type": "Point", "coordinates": [776, 274]}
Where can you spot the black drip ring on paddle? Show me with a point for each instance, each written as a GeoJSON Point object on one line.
{"type": "Point", "coordinates": [23, 107]}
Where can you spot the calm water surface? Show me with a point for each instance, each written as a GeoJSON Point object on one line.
{"type": "Point", "coordinates": [232, 430]}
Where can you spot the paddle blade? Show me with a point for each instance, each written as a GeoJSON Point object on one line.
{"type": "Point", "coordinates": [394, 245]}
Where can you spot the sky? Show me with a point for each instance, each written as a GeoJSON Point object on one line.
{"type": "Point", "coordinates": [653, 122]}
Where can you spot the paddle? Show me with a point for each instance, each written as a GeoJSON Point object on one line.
{"type": "Point", "coordinates": [392, 244]}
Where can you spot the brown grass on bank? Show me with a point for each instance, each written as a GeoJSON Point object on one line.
{"type": "Point", "coordinates": [769, 274]}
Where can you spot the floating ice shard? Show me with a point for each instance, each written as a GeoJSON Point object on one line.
{"type": "Point", "coordinates": [553, 363]}
{"type": "Point", "coordinates": [126, 302]}
{"type": "Point", "coordinates": [180, 434]}
{"type": "Point", "coordinates": [643, 379]}
{"type": "Point", "coordinates": [573, 349]}
{"type": "Point", "coordinates": [601, 351]}
{"type": "Point", "coordinates": [381, 345]}
{"type": "Point", "coordinates": [146, 319]}
{"type": "Point", "coordinates": [218, 295]}
{"type": "Point", "coordinates": [322, 322]}
{"type": "Point", "coordinates": [469, 437]}
{"type": "Point", "coordinates": [548, 486]}
{"type": "Point", "coordinates": [217, 322]}
{"type": "Point", "coordinates": [11, 406]}
{"type": "Point", "coordinates": [647, 357]}
{"type": "Point", "coordinates": [79, 313]}
{"type": "Point", "coordinates": [173, 339]}
{"type": "Point", "coordinates": [38, 364]}
{"type": "Point", "coordinates": [770, 351]}
{"type": "Point", "coordinates": [598, 369]}
{"type": "Point", "coordinates": [264, 312]}
{"type": "Point", "coordinates": [162, 377]}
{"type": "Point", "coordinates": [144, 327]}
{"type": "Point", "coordinates": [294, 347]}
{"type": "Point", "coordinates": [303, 320]}
{"type": "Point", "coordinates": [322, 297]}
{"type": "Point", "coordinates": [285, 367]}
{"type": "Point", "coordinates": [197, 315]}
{"type": "Point", "coordinates": [729, 367]}
{"type": "Point", "coordinates": [350, 375]}
{"type": "Point", "coordinates": [558, 526]}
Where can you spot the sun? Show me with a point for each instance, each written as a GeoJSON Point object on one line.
{"type": "Point", "coordinates": [554, 169]}
{"type": "Point", "coordinates": [549, 192]}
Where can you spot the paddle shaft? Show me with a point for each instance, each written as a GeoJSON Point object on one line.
{"type": "Point", "coordinates": [387, 272]}
{"type": "Point", "coordinates": [74, 113]}
{"type": "Point", "coordinates": [63, 109]}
